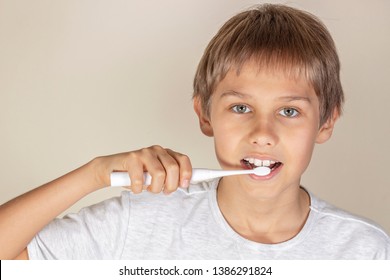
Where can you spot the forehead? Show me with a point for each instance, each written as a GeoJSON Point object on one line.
{"type": "Point", "coordinates": [251, 78]}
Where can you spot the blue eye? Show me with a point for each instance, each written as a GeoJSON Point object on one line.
{"type": "Point", "coordinates": [241, 109]}
{"type": "Point", "coordinates": [289, 112]}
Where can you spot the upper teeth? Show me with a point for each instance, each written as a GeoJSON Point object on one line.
{"type": "Point", "coordinates": [259, 162]}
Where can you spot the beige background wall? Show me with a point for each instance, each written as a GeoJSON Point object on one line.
{"type": "Point", "coordinates": [80, 79]}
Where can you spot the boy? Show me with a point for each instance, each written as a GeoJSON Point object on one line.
{"type": "Point", "coordinates": [267, 89]}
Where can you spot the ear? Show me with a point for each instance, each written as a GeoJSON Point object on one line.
{"type": "Point", "coordinates": [204, 121]}
{"type": "Point", "coordinates": [326, 129]}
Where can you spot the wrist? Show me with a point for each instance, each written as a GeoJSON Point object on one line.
{"type": "Point", "coordinates": [99, 172]}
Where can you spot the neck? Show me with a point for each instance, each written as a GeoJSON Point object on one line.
{"type": "Point", "coordinates": [261, 216]}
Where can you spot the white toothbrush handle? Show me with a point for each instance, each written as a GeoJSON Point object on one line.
{"type": "Point", "coordinates": [122, 179]}
{"type": "Point", "coordinates": [202, 174]}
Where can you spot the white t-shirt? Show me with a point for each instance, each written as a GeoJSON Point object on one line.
{"type": "Point", "coordinates": [188, 224]}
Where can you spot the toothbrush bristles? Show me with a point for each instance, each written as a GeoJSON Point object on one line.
{"type": "Point", "coordinates": [261, 171]}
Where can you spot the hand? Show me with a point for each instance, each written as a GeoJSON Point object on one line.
{"type": "Point", "coordinates": [169, 169]}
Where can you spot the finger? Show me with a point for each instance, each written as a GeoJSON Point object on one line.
{"type": "Point", "coordinates": [185, 168]}
{"type": "Point", "coordinates": [153, 165]}
{"type": "Point", "coordinates": [158, 179]}
{"type": "Point", "coordinates": [136, 176]}
{"type": "Point", "coordinates": [132, 163]}
{"type": "Point", "coordinates": [172, 170]}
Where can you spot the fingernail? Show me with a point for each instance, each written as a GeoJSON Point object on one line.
{"type": "Point", "coordinates": [185, 183]}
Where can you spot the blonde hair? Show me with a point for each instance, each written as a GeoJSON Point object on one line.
{"type": "Point", "coordinates": [276, 37]}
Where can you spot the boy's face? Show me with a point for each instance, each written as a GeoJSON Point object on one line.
{"type": "Point", "coordinates": [264, 118]}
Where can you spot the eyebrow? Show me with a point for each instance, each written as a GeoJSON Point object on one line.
{"type": "Point", "coordinates": [294, 98]}
{"type": "Point", "coordinates": [236, 94]}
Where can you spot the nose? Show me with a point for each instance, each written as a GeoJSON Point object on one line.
{"type": "Point", "coordinates": [263, 133]}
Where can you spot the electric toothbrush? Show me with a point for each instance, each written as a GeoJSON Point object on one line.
{"type": "Point", "coordinates": [122, 179]}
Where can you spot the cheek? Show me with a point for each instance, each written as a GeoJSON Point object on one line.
{"type": "Point", "coordinates": [301, 146]}
{"type": "Point", "coordinates": [226, 141]}
{"type": "Point", "coordinates": [227, 132]}
{"type": "Point", "coordinates": [222, 127]}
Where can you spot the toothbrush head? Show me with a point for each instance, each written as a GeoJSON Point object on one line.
{"type": "Point", "coordinates": [261, 171]}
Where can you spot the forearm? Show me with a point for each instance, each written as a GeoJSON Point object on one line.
{"type": "Point", "coordinates": [23, 217]}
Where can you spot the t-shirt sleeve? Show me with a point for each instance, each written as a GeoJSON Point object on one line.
{"type": "Point", "coordinates": [96, 232]}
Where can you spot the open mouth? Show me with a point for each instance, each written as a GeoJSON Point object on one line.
{"type": "Point", "coordinates": [251, 163]}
